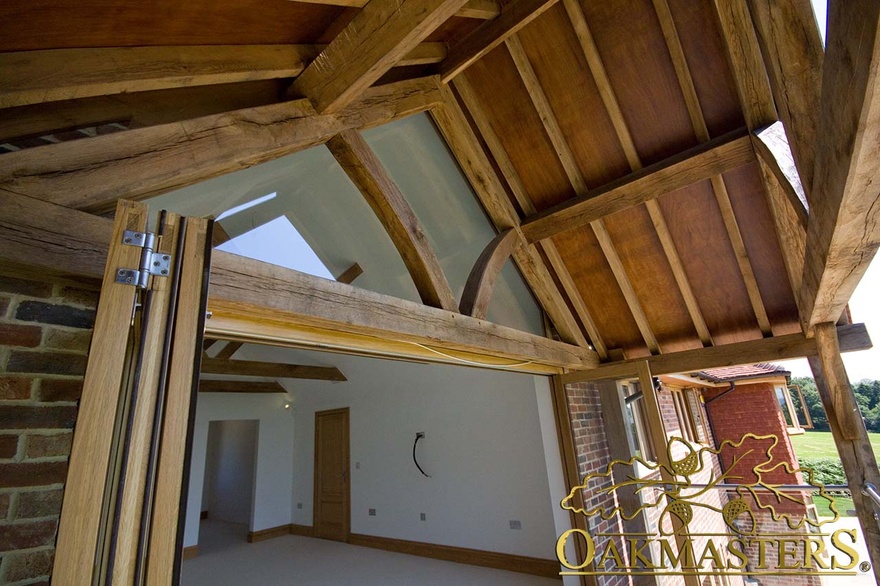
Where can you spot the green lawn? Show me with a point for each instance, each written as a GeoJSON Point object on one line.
{"type": "Point", "coordinates": [820, 444]}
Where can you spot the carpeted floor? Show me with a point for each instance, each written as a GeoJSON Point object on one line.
{"type": "Point", "coordinates": [226, 559]}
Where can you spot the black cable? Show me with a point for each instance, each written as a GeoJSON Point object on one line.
{"type": "Point", "coordinates": [415, 443]}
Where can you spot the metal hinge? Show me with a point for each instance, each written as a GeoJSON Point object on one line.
{"type": "Point", "coordinates": [152, 263]}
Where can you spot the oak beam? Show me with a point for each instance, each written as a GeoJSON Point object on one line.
{"type": "Point", "coordinates": [371, 178]}
{"type": "Point", "coordinates": [844, 228]}
{"type": "Point", "coordinates": [850, 436]}
{"type": "Point", "coordinates": [350, 274]}
{"type": "Point", "coordinates": [490, 34]}
{"type": "Point", "coordinates": [719, 155]}
{"type": "Point", "coordinates": [36, 77]}
{"type": "Point", "coordinates": [259, 301]}
{"type": "Point", "coordinates": [377, 38]}
{"type": "Point", "coordinates": [270, 369]}
{"type": "Point", "coordinates": [481, 280]}
{"type": "Point", "coordinates": [456, 131]}
{"type": "Point", "coordinates": [794, 55]}
{"type": "Point", "coordinates": [852, 337]}
{"type": "Point", "coordinates": [482, 9]}
{"type": "Point", "coordinates": [93, 173]}
{"type": "Point", "coordinates": [228, 350]}
{"type": "Point", "coordinates": [239, 386]}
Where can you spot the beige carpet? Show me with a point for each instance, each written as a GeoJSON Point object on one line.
{"type": "Point", "coordinates": [226, 559]}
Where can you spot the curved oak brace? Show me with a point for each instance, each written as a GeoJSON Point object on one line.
{"type": "Point", "coordinates": [481, 281]}
{"type": "Point", "coordinates": [365, 170]}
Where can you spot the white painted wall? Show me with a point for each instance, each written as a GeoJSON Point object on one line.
{"type": "Point", "coordinates": [274, 466]}
{"type": "Point", "coordinates": [229, 470]}
{"type": "Point", "coordinates": [483, 448]}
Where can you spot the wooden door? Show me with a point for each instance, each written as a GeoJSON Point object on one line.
{"type": "Point", "coordinates": [126, 479]}
{"type": "Point", "coordinates": [332, 494]}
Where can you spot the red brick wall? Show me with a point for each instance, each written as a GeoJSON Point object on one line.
{"type": "Point", "coordinates": [45, 332]}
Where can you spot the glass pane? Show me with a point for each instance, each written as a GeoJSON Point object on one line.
{"type": "Point", "coordinates": [800, 409]}
{"type": "Point", "coordinates": [783, 405]}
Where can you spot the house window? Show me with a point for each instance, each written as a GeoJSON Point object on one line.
{"type": "Point", "coordinates": [689, 412]}
{"type": "Point", "coordinates": [637, 421]}
{"type": "Point", "coordinates": [793, 408]}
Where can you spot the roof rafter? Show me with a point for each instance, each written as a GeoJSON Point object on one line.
{"type": "Point", "coordinates": [93, 173]}
{"type": "Point", "coordinates": [569, 163]}
{"type": "Point", "coordinates": [270, 369]}
{"type": "Point", "coordinates": [843, 232]}
{"type": "Point", "coordinates": [371, 178]}
{"type": "Point", "coordinates": [609, 99]}
{"type": "Point", "coordinates": [489, 35]}
{"type": "Point", "coordinates": [379, 36]}
{"type": "Point", "coordinates": [456, 131]}
{"type": "Point", "coordinates": [505, 165]}
{"type": "Point", "coordinates": [732, 13]}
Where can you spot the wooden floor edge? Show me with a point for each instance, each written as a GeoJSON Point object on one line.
{"type": "Point", "coordinates": [488, 559]}
{"type": "Point", "coordinates": [264, 534]}
{"type": "Point", "coordinates": [190, 552]}
{"type": "Point", "coordinates": [301, 530]}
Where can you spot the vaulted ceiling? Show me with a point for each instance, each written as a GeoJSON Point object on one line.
{"type": "Point", "coordinates": [616, 142]}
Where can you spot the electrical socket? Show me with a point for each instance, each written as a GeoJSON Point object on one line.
{"type": "Point", "coordinates": [423, 517]}
{"type": "Point", "coordinates": [371, 512]}
{"type": "Point", "coordinates": [515, 524]}
{"type": "Point", "coordinates": [299, 505]}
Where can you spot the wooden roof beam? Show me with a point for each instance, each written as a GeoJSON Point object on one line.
{"type": "Point", "coordinates": [794, 55]}
{"type": "Point", "coordinates": [460, 137]}
{"type": "Point", "coordinates": [371, 178]}
{"type": "Point", "coordinates": [719, 155]}
{"type": "Point", "coordinates": [572, 170]}
{"type": "Point", "coordinates": [228, 350]}
{"type": "Point", "coordinates": [547, 247]}
{"type": "Point", "coordinates": [379, 36]}
{"type": "Point", "coordinates": [742, 47]}
{"type": "Point", "coordinates": [609, 99]}
{"type": "Point", "coordinates": [853, 337]}
{"type": "Point", "coordinates": [257, 302]}
{"type": "Point", "coordinates": [270, 369]}
{"type": "Point", "coordinates": [490, 34]}
{"type": "Point", "coordinates": [36, 77]}
{"type": "Point", "coordinates": [93, 173]}
{"type": "Point", "coordinates": [482, 9]}
{"type": "Point", "coordinates": [481, 280]}
{"type": "Point", "coordinates": [843, 232]}
{"type": "Point", "coordinates": [238, 386]}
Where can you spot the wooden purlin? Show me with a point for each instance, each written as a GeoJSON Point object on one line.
{"type": "Point", "coordinates": [137, 164]}
{"type": "Point", "coordinates": [527, 208]}
{"type": "Point", "coordinates": [569, 163]}
{"type": "Point", "coordinates": [701, 130]}
{"type": "Point", "coordinates": [482, 9]}
{"type": "Point", "coordinates": [37, 77]}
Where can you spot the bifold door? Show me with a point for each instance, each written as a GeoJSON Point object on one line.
{"type": "Point", "coordinates": [128, 472]}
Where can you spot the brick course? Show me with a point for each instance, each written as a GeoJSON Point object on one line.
{"type": "Point", "coordinates": [45, 331]}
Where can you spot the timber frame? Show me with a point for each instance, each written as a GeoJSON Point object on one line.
{"type": "Point", "coordinates": [380, 62]}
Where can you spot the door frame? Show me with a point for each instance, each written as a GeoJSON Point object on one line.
{"type": "Point", "coordinates": [347, 459]}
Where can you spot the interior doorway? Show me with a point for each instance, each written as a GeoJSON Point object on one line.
{"type": "Point", "coordinates": [332, 494]}
{"type": "Point", "coordinates": [230, 465]}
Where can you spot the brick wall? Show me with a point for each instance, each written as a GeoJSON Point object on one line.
{"type": "Point", "coordinates": [45, 332]}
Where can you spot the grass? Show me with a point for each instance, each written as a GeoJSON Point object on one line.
{"type": "Point", "coordinates": [820, 444]}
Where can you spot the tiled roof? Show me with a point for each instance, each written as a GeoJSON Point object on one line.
{"type": "Point", "coordinates": [745, 371]}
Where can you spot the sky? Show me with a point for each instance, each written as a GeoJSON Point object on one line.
{"type": "Point", "coordinates": [864, 305]}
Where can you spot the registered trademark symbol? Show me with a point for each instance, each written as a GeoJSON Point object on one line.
{"type": "Point", "coordinates": [864, 566]}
